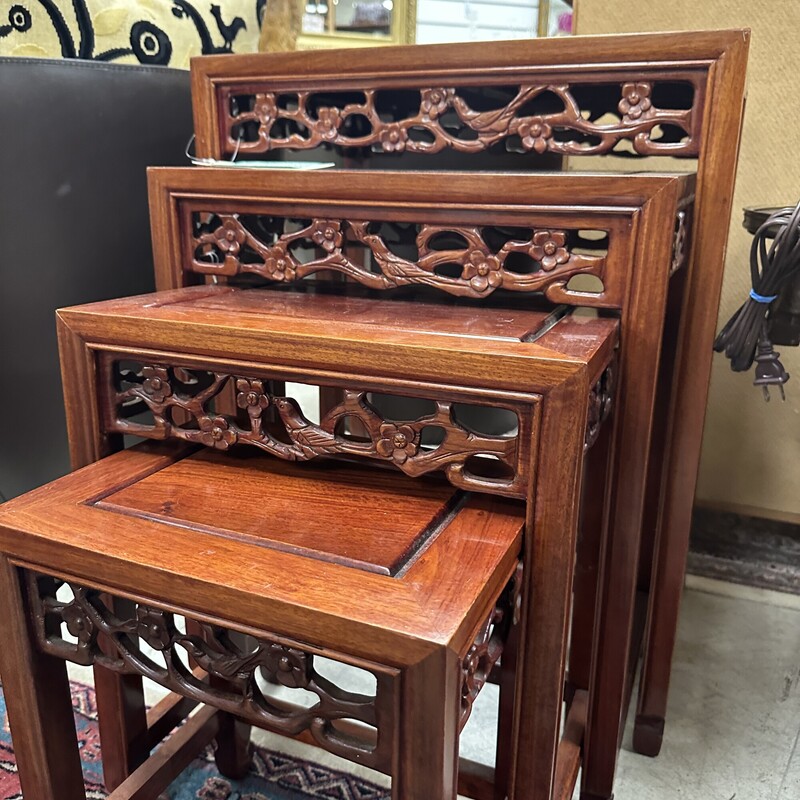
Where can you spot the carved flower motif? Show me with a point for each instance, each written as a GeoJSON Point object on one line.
{"type": "Point", "coordinates": [483, 270]}
{"type": "Point", "coordinates": [215, 432]}
{"type": "Point", "coordinates": [230, 236]}
{"type": "Point", "coordinates": [394, 138]}
{"type": "Point", "coordinates": [535, 133]}
{"type": "Point", "coordinates": [251, 395]}
{"type": "Point", "coordinates": [435, 101]}
{"type": "Point", "coordinates": [635, 101]}
{"type": "Point", "coordinates": [327, 234]}
{"type": "Point", "coordinates": [279, 265]}
{"type": "Point", "coordinates": [265, 108]}
{"type": "Point", "coordinates": [329, 120]}
{"type": "Point", "coordinates": [156, 383]}
{"type": "Point", "coordinates": [153, 627]}
{"type": "Point", "coordinates": [397, 442]}
{"type": "Point", "coordinates": [548, 249]}
{"type": "Point", "coordinates": [290, 667]}
{"type": "Point", "coordinates": [78, 623]}
{"type": "Point", "coordinates": [472, 662]}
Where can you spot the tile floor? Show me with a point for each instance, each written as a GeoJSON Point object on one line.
{"type": "Point", "coordinates": [734, 715]}
{"type": "Point", "coordinates": [734, 712]}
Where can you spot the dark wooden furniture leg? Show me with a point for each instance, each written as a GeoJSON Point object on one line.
{"type": "Point", "coordinates": [504, 753]}
{"type": "Point", "coordinates": [233, 754]}
{"type": "Point", "coordinates": [644, 740]}
{"type": "Point", "coordinates": [122, 721]}
{"type": "Point", "coordinates": [690, 393]}
{"type": "Point", "coordinates": [427, 766]}
{"type": "Point", "coordinates": [613, 634]}
{"type": "Point", "coordinates": [592, 531]}
{"type": "Point", "coordinates": [121, 710]}
{"type": "Point", "coordinates": [547, 592]}
{"type": "Point", "coordinates": [38, 700]}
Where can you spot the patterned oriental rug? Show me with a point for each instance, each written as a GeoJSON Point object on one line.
{"type": "Point", "coordinates": [274, 776]}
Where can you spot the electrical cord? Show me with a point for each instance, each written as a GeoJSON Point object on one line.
{"type": "Point", "coordinates": [745, 337]}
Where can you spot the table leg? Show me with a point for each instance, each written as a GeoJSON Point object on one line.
{"type": "Point", "coordinates": [38, 700]}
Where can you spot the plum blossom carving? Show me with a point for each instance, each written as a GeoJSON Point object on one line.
{"type": "Point", "coordinates": [156, 383]}
{"type": "Point", "coordinates": [435, 102]}
{"type": "Point", "coordinates": [336, 241]}
{"type": "Point", "coordinates": [549, 249]}
{"type": "Point", "coordinates": [291, 435]}
{"type": "Point", "coordinates": [230, 236]}
{"type": "Point", "coordinates": [216, 432]}
{"type": "Point", "coordinates": [397, 442]}
{"type": "Point", "coordinates": [635, 102]}
{"type": "Point", "coordinates": [327, 234]}
{"type": "Point", "coordinates": [152, 626]}
{"type": "Point", "coordinates": [122, 637]}
{"type": "Point", "coordinates": [328, 122]}
{"type": "Point", "coordinates": [394, 138]}
{"type": "Point", "coordinates": [601, 400]}
{"type": "Point", "coordinates": [289, 666]}
{"type": "Point", "coordinates": [483, 270]}
{"type": "Point", "coordinates": [534, 133]}
{"type": "Point", "coordinates": [78, 623]}
{"type": "Point", "coordinates": [251, 395]}
{"type": "Point", "coordinates": [278, 264]}
{"type": "Point", "coordinates": [488, 645]}
{"type": "Point", "coordinates": [476, 128]}
{"type": "Point", "coordinates": [266, 108]}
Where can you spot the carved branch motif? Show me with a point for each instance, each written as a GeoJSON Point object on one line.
{"type": "Point", "coordinates": [100, 636]}
{"type": "Point", "coordinates": [165, 389]}
{"type": "Point", "coordinates": [483, 269]}
{"type": "Point", "coordinates": [488, 646]}
{"type": "Point", "coordinates": [680, 243]}
{"type": "Point", "coordinates": [444, 119]}
{"type": "Point", "coordinates": [601, 401]}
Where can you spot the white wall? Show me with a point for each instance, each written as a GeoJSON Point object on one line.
{"type": "Point", "coordinates": [466, 20]}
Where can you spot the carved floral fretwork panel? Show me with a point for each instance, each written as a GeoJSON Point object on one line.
{"type": "Point", "coordinates": [87, 630]}
{"type": "Point", "coordinates": [489, 643]}
{"type": "Point", "coordinates": [462, 261]}
{"type": "Point", "coordinates": [601, 401]}
{"type": "Point", "coordinates": [651, 117]}
{"type": "Point", "coordinates": [182, 405]}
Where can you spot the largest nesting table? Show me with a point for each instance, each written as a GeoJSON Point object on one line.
{"type": "Point", "coordinates": [648, 98]}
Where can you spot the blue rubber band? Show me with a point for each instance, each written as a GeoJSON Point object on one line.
{"type": "Point", "coordinates": [760, 298]}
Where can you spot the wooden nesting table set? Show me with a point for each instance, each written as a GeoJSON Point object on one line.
{"type": "Point", "coordinates": [498, 381]}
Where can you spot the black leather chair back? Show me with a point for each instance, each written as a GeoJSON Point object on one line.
{"type": "Point", "coordinates": [75, 139]}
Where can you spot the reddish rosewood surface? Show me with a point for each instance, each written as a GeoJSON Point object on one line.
{"type": "Point", "coordinates": [361, 518]}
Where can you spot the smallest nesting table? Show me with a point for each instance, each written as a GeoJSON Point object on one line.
{"type": "Point", "coordinates": [408, 583]}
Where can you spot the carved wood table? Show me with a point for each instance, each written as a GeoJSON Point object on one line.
{"type": "Point", "coordinates": [412, 581]}
{"type": "Point", "coordinates": [616, 243]}
{"type": "Point", "coordinates": [522, 106]}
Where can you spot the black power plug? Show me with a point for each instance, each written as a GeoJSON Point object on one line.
{"type": "Point", "coordinates": [769, 370]}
